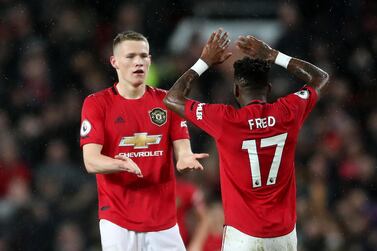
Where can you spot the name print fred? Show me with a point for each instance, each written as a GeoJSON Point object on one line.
{"type": "Point", "coordinates": [259, 123]}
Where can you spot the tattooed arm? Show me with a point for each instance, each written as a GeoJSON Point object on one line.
{"type": "Point", "coordinates": [176, 99]}
{"type": "Point", "coordinates": [310, 74]}
{"type": "Point", "coordinates": [213, 53]}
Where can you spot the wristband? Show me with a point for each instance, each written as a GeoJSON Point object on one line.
{"type": "Point", "coordinates": [199, 67]}
{"type": "Point", "coordinates": [282, 60]}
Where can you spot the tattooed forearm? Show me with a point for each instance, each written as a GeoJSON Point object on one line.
{"type": "Point", "coordinates": [176, 97]}
{"type": "Point", "coordinates": [310, 74]}
{"type": "Point", "coordinates": [185, 82]}
{"type": "Point", "coordinates": [301, 73]}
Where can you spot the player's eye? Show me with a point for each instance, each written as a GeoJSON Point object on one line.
{"type": "Point", "coordinates": [130, 56]}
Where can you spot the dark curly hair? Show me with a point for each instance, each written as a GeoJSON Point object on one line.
{"type": "Point", "coordinates": [251, 73]}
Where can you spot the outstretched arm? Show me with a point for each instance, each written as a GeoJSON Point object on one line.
{"type": "Point", "coordinates": [186, 159]}
{"type": "Point", "coordinates": [213, 53]}
{"type": "Point", "coordinates": [96, 162]}
{"type": "Point", "coordinates": [310, 74]}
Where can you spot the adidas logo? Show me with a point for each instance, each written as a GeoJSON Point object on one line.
{"type": "Point", "coordinates": [120, 119]}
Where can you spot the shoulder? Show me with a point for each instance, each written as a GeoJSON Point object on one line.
{"type": "Point", "coordinates": [101, 96]}
{"type": "Point", "coordinates": [218, 112]}
{"type": "Point", "coordinates": [224, 107]}
{"type": "Point", "coordinates": [230, 111]}
{"type": "Point", "coordinates": [99, 99]}
{"type": "Point", "coordinates": [161, 93]}
{"type": "Point", "coordinates": [303, 96]}
{"type": "Point", "coordinates": [208, 108]}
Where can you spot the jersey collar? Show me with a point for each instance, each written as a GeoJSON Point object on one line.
{"type": "Point", "coordinates": [256, 101]}
{"type": "Point", "coordinates": [114, 89]}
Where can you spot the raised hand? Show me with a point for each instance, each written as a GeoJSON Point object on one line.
{"type": "Point", "coordinates": [190, 161]}
{"type": "Point", "coordinates": [129, 165]}
{"type": "Point", "coordinates": [214, 51]}
{"type": "Point", "coordinates": [256, 48]}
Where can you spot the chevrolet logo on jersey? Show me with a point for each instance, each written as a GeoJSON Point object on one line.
{"type": "Point", "coordinates": [140, 140]}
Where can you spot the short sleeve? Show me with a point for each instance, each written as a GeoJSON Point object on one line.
{"type": "Point", "coordinates": [208, 117]}
{"type": "Point", "coordinates": [92, 122]}
{"type": "Point", "coordinates": [301, 103]}
{"type": "Point", "coordinates": [178, 128]}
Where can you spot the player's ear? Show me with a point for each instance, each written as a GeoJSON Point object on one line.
{"type": "Point", "coordinates": [114, 62]}
{"type": "Point", "coordinates": [236, 90]}
{"type": "Point", "coordinates": [269, 88]}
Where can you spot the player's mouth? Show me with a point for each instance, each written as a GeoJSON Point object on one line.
{"type": "Point", "coordinates": [138, 72]}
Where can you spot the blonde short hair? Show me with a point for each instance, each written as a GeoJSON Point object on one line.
{"type": "Point", "coordinates": [128, 36]}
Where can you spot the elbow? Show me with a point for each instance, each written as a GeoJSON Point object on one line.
{"type": "Point", "coordinates": [89, 167]}
{"type": "Point", "coordinates": [168, 101]}
{"type": "Point", "coordinates": [321, 81]}
{"type": "Point", "coordinates": [90, 170]}
{"type": "Point", "coordinates": [325, 79]}
{"type": "Point", "coordinates": [175, 104]}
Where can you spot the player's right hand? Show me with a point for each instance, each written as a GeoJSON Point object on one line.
{"type": "Point", "coordinates": [128, 165]}
{"type": "Point", "coordinates": [214, 51]}
{"type": "Point", "coordinates": [191, 161]}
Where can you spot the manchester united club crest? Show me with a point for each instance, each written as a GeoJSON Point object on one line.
{"type": "Point", "coordinates": [158, 116]}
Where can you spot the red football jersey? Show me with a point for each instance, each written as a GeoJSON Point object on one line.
{"type": "Point", "coordinates": [256, 146]}
{"type": "Point", "coordinates": [143, 130]}
{"type": "Point", "coordinates": [188, 197]}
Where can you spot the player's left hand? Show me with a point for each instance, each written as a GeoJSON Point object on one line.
{"type": "Point", "coordinates": [256, 48]}
{"type": "Point", "coordinates": [214, 51]}
{"type": "Point", "coordinates": [190, 161]}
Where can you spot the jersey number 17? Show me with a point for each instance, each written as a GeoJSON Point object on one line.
{"type": "Point", "coordinates": [251, 147]}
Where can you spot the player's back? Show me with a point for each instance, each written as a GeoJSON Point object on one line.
{"type": "Point", "coordinates": [257, 170]}
{"type": "Point", "coordinates": [256, 146]}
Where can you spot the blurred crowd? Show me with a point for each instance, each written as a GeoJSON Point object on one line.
{"type": "Point", "coordinates": [53, 53]}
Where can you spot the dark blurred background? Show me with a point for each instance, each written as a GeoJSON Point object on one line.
{"type": "Point", "coordinates": [53, 53]}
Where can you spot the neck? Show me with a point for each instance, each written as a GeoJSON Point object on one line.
{"type": "Point", "coordinates": [246, 98]}
{"type": "Point", "coordinates": [130, 91]}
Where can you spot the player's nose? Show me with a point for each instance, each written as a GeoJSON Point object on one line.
{"type": "Point", "coordinates": [139, 60]}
